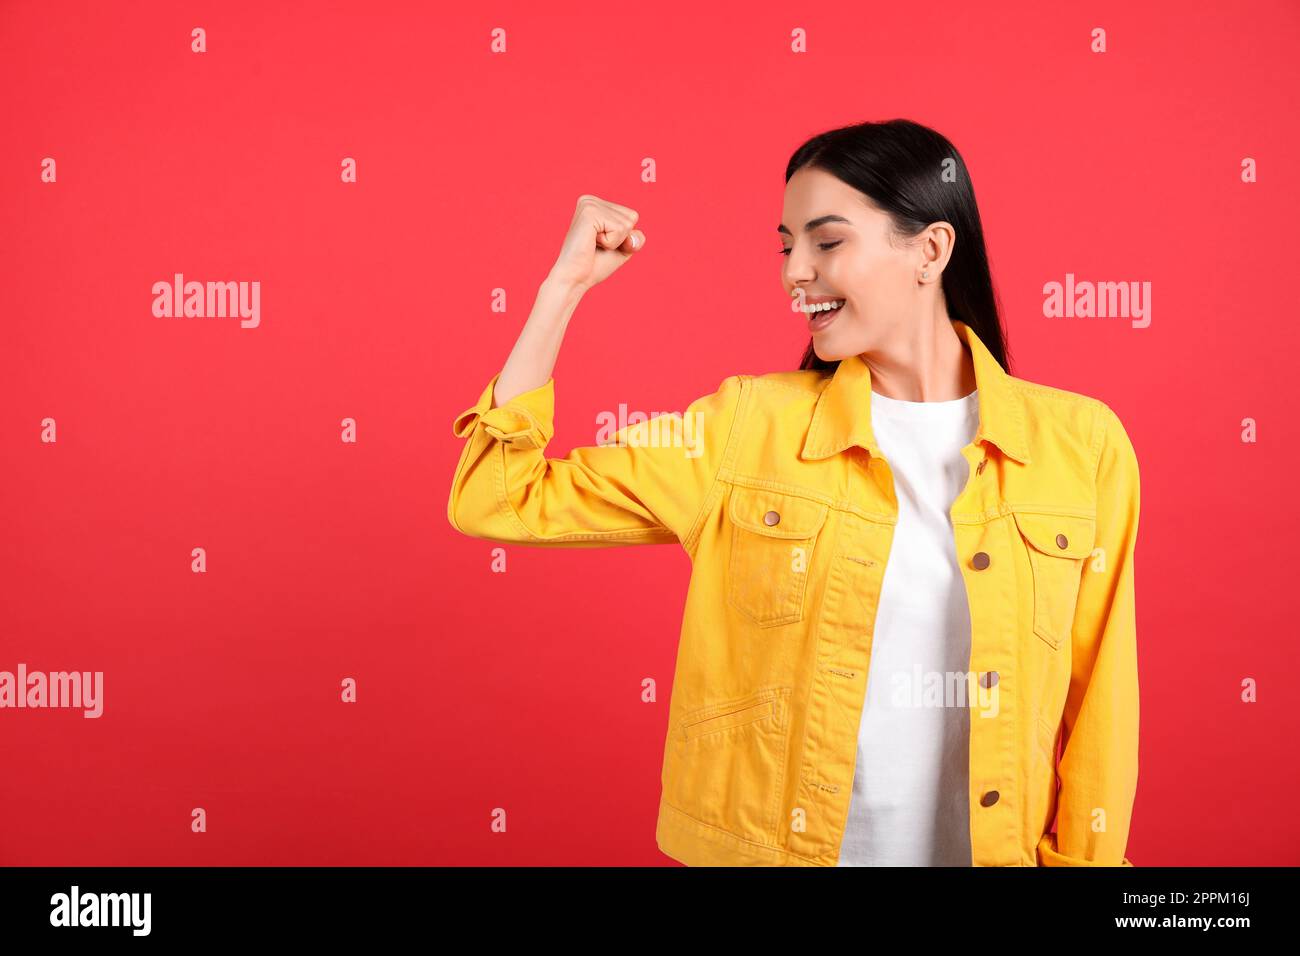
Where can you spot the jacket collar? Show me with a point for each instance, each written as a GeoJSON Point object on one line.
{"type": "Point", "coordinates": [842, 417]}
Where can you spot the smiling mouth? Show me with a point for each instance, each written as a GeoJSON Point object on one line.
{"type": "Point", "coordinates": [820, 316]}
{"type": "Point", "coordinates": [816, 304]}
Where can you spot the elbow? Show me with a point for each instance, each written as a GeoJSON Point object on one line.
{"type": "Point", "coordinates": [478, 504]}
{"type": "Point", "coordinates": [464, 514]}
{"type": "Point", "coordinates": [453, 509]}
{"type": "Point", "coordinates": [472, 498]}
{"type": "Point", "coordinates": [474, 511]}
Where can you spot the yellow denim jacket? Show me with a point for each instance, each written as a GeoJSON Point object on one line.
{"type": "Point", "coordinates": [778, 493]}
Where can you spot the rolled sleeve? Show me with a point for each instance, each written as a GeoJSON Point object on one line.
{"type": "Point", "coordinates": [1048, 855]}
{"type": "Point", "coordinates": [527, 420]}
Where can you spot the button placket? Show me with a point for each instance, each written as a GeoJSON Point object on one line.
{"type": "Point", "coordinates": [981, 560]}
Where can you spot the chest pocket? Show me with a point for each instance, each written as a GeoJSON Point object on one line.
{"type": "Point", "coordinates": [772, 540]}
{"type": "Point", "coordinates": [1058, 546]}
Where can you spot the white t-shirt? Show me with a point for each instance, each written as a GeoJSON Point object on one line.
{"type": "Point", "coordinates": [910, 803]}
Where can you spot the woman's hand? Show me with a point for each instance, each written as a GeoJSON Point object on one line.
{"type": "Point", "coordinates": [601, 238]}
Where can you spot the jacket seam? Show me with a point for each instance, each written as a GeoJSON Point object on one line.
{"type": "Point", "coordinates": [782, 487]}
{"type": "Point", "coordinates": [691, 541]}
{"type": "Point", "coordinates": [1049, 392]}
{"type": "Point", "coordinates": [808, 392]}
{"type": "Point", "coordinates": [1098, 435]}
{"type": "Point", "coordinates": [727, 834]}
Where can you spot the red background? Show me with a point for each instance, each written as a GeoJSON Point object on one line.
{"type": "Point", "coordinates": [327, 560]}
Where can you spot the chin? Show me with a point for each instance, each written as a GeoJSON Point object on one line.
{"type": "Point", "coordinates": [830, 348]}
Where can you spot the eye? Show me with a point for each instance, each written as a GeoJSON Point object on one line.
{"type": "Point", "coordinates": [823, 246]}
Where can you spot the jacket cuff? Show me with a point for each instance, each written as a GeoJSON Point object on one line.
{"type": "Point", "coordinates": [526, 420]}
{"type": "Point", "coordinates": [1048, 855]}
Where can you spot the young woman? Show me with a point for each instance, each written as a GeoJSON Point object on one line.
{"type": "Point", "coordinates": [912, 573]}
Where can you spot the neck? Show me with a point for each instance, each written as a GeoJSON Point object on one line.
{"type": "Point", "coordinates": [925, 362]}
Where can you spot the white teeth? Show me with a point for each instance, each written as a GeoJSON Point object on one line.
{"type": "Point", "coordinates": [823, 307]}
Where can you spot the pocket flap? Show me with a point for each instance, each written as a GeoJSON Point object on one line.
{"type": "Point", "coordinates": [776, 514]}
{"type": "Point", "coordinates": [1063, 536]}
{"type": "Point", "coordinates": [736, 712]}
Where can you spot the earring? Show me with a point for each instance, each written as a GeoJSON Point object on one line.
{"type": "Point", "coordinates": [925, 275]}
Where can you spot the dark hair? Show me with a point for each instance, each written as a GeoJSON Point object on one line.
{"type": "Point", "coordinates": [915, 176]}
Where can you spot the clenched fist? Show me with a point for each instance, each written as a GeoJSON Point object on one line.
{"type": "Point", "coordinates": [601, 238]}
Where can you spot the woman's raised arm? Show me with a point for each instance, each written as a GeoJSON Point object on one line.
{"type": "Point", "coordinates": [648, 484]}
{"type": "Point", "coordinates": [601, 238]}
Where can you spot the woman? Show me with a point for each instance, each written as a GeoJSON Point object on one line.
{"type": "Point", "coordinates": [912, 573]}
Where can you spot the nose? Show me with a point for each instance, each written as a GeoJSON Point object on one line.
{"type": "Point", "coordinates": [798, 269]}
{"type": "Point", "coordinates": [797, 277]}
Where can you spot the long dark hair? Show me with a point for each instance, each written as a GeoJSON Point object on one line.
{"type": "Point", "coordinates": [917, 177]}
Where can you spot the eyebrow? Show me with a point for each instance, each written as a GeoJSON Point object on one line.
{"type": "Point", "coordinates": [812, 224]}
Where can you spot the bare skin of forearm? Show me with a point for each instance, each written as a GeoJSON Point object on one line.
{"type": "Point", "coordinates": [532, 360]}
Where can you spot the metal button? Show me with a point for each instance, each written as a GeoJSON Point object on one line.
{"type": "Point", "coordinates": [980, 561]}
{"type": "Point", "coordinates": [989, 799]}
{"type": "Point", "coordinates": [771, 518]}
{"type": "Point", "coordinates": [989, 678]}
{"type": "Point", "coordinates": [1062, 541]}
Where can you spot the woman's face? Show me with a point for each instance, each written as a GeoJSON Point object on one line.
{"type": "Point", "coordinates": [846, 256]}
